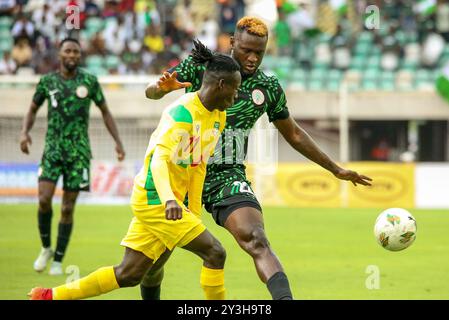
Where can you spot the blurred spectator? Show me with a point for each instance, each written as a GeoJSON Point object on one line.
{"type": "Point", "coordinates": [23, 27]}
{"type": "Point", "coordinates": [442, 16]}
{"type": "Point", "coordinates": [432, 49]}
{"type": "Point", "coordinates": [111, 9]}
{"type": "Point", "coordinates": [341, 44]}
{"type": "Point", "coordinates": [7, 64]}
{"type": "Point", "coordinates": [44, 21]}
{"type": "Point", "coordinates": [228, 15]}
{"type": "Point", "coordinates": [381, 151]}
{"type": "Point", "coordinates": [282, 33]}
{"type": "Point", "coordinates": [126, 6]}
{"type": "Point", "coordinates": [184, 18]}
{"type": "Point", "coordinates": [390, 48]}
{"type": "Point", "coordinates": [21, 52]}
{"type": "Point", "coordinates": [97, 45]}
{"type": "Point", "coordinates": [7, 7]}
{"type": "Point", "coordinates": [153, 39]}
{"type": "Point", "coordinates": [92, 9]}
{"type": "Point", "coordinates": [208, 33]}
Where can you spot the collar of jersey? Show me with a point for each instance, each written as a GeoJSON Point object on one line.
{"type": "Point", "coordinates": [201, 107]}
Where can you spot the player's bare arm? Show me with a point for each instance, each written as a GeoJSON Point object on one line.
{"type": "Point", "coordinates": [298, 138]}
{"type": "Point", "coordinates": [28, 122]}
{"type": "Point", "coordinates": [166, 84]}
{"type": "Point", "coordinates": [112, 128]}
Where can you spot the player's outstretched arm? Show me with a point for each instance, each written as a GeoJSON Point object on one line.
{"type": "Point", "coordinates": [166, 84]}
{"type": "Point", "coordinates": [298, 138]}
{"type": "Point", "coordinates": [28, 122]}
{"type": "Point", "coordinates": [112, 128]}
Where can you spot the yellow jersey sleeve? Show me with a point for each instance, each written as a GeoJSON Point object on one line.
{"type": "Point", "coordinates": [165, 155]}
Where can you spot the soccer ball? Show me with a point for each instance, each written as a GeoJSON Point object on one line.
{"type": "Point", "coordinates": [395, 229]}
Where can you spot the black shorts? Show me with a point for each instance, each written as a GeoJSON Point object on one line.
{"type": "Point", "coordinates": [220, 211]}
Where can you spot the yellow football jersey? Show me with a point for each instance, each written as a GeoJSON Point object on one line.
{"type": "Point", "coordinates": [177, 154]}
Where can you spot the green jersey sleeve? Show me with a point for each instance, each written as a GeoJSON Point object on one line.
{"type": "Point", "coordinates": [189, 71]}
{"type": "Point", "coordinates": [97, 93]}
{"type": "Point", "coordinates": [277, 108]}
{"type": "Point", "coordinates": [41, 92]}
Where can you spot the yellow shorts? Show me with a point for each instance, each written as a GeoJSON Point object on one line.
{"type": "Point", "coordinates": [151, 233]}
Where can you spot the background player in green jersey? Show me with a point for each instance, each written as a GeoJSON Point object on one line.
{"type": "Point", "coordinates": [237, 209]}
{"type": "Point", "coordinates": [69, 92]}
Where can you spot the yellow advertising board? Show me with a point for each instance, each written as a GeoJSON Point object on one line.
{"type": "Point", "coordinates": [309, 185]}
{"type": "Point", "coordinates": [393, 185]}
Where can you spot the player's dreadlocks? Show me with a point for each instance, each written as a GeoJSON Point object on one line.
{"type": "Point", "coordinates": [253, 26]}
{"type": "Point", "coordinates": [213, 61]}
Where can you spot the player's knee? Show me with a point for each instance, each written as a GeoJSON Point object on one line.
{"type": "Point", "coordinates": [128, 277]}
{"type": "Point", "coordinates": [216, 255]}
{"type": "Point", "coordinates": [256, 242]}
{"type": "Point", "coordinates": [44, 203]}
{"type": "Point", "coordinates": [153, 278]}
{"type": "Point", "coordinates": [67, 212]}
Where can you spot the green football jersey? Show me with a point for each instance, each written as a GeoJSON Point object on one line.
{"type": "Point", "coordinates": [258, 94]}
{"type": "Point", "coordinates": [68, 112]}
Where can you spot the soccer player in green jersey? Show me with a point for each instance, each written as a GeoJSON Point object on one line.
{"type": "Point", "coordinates": [237, 209]}
{"type": "Point", "coordinates": [69, 92]}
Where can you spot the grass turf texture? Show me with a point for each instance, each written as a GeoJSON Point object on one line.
{"type": "Point", "coordinates": [326, 254]}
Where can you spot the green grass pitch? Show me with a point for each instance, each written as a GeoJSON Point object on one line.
{"type": "Point", "coordinates": [326, 253]}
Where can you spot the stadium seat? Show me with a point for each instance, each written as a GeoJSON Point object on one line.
{"type": "Point", "coordinates": [333, 84]}
{"type": "Point", "coordinates": [6, 45]}
{"type": "Point", "coordinates": [98, 71]}
{"type": "Point", "coordinates": [94, 61]}
{"type": "Point", "coordinates": [387, 85]}
{"type": "Point", "coordinates": [112, 62]}
{"type": "Point", "coordinates": [94, 25]}
{"type": "Point", "coordinates": [6, 22]}
{"type": "Point", "coordinates": [368, 84]}
{"type": "Point", "coordinates": [315, 85]}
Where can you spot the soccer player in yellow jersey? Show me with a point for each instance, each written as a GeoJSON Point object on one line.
{"type": "Point", "coordinates": [174, 165]}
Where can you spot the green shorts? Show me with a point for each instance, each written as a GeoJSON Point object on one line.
{"type": "Point", "coordinates": [227, 189]}
{"type": "Point", "coordinates": [75, 173]}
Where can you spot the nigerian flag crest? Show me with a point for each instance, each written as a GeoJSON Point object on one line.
{"type": "Point", "coordinates": [426, 7]}
{"type": "Point", "coordinates": [339, 6]}
{"type": "Point", "coordinates": [442, 83]}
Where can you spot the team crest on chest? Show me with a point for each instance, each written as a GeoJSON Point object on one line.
{"type": "Point", "coordinates": [81, 92]}
{"type": "Point", "coordinates": [258, 97]}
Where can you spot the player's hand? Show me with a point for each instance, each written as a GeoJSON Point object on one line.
{"type": "Point", "coordinates": [168, 82]}
{"type": "Point", "coordinates": [354, 177]}
{"type": "Point", "coordinates": [120, 152]}
{"type": "Point", "coordinates": [25, 139]}
{"type": "Point", "coordinates": [173, 210]}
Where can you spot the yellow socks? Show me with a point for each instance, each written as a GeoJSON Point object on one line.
{"type": "Point", "coordinates": [98, 282]}
{"type": "Point", "coordinates": [212, 282]}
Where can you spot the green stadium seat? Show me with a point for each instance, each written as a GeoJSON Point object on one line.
{"type": "Point", "coordinates": [423, 75]}
{"type": "Point", "coordinates": [317, 74]}
{"type": "Point", "coordinates": [94, 25]}
{"type": "Point", "coordinates": [316, 85]}
{"type": "Point", "coordinates": [358, 62]}
{"type": "Point", "coordinates": [388, 76]}
{"type": "Point", "coordinates": [333, 84]}
{"type": "Point", "coordinates": [6, 22]}
{"type": "Point", "coordinates": [335, 74]}
{"type": "Point", "coordinates": [368, 84]}
{"type": "Point", "coordinates": [298, 74]}
{"type": "Point", "coordinates": [366, 36]}
{"type": "Point", "coordinates": [98, 71]}
{"type": "Point", "coordinates": [112, 62]}
{"type": "Point", "coordinates": [387, 85]}
{"type": "Point", "coordinates": [371, 74]}
{"type": "Point", "coordinates": [6, 45]}
{"type": "Point", "coordinates": [94, 61]}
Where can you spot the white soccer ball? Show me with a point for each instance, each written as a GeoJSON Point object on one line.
{"type": "Point", "coordinates": [395, 229]}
